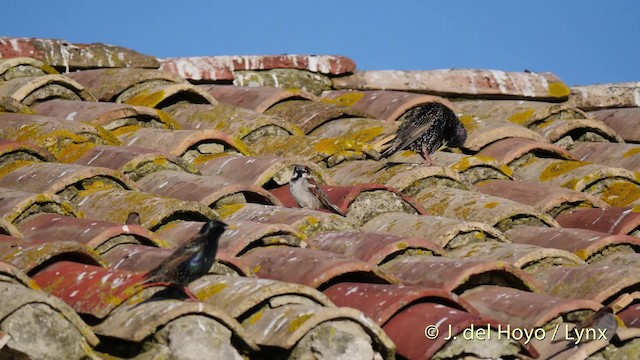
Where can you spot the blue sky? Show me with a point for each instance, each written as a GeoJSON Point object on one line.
{"type": "Point", "coordinates": [583, 42]}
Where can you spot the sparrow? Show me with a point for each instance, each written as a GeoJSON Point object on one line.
{"type": "Point", "coordinates": [188, 262]}
{"type": "Point", "coordinates": [133, 219]}
{"type": "Point", "coordinates": [306, 192]}
{"type": "Point", "coordinates": [425, 129]}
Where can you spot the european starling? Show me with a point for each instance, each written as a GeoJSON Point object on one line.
{"type": "Point", "coordinates": [133, 219]}
{"type": "Point", "coordinates": [425, 129]}
{"type": "Point", "coordinates": [307, 193]}
{"type": "Point", "coordinates": [190, 261]}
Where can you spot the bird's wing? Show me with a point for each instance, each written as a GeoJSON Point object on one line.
{"type": "Point", "coordinates": [181, 255]}
{"type": "Point", "coordinates": [408, 132]}
{"type": "Point", "coordinates": [322, 196]}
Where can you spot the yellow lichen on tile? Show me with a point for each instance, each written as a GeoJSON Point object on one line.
{"type": "Point", "coordinates": [621, 193]}
{"type": "Point", "coordinates": [558, 168]}
{"type": "Point", "coordinates": [145, 98]}
{"type": "Point", "coordinates": [522, 117]}
{"type": "Point", "coordinates": [255, 317]}
{"type": "Point", "coordinates": [347, 99]}
{"type": "Point", "coordinates": [209, 291]}
{"type": "Point", "coordinates": [295, 324]}
{"type": "Point", "coordinates": [631, 152]}
{"type": "Point", "coordinates": [228, 210]}
{"type": "Point", "coordinates": [402, 245]}
{"type": "Point", "coordinates": [558, 89]}
{"type": "Point", "coordinates": [491, 205]}
{"type": "Point", "coordinates": [582, 254]}
{"type": "Point", "coordinates": [469, 122]}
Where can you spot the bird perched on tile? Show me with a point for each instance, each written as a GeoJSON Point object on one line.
{"type": "Point", "coordinates": [190, 261]}
{"type": "Point", "coordinates": [425, 129]}
{"type": "Point", "coordinates": [306, 192]}
{"type": "Point", "coordinates": [133, 219]}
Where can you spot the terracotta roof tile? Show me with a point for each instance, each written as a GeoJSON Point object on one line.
{"type": "Point", "coordinates": [314, 268]}
{"type": "Point", "coordinates": [68, 56]}
{"type": "Point", "coordinates": [302, 220]}
{"type": "Point", "coordinates": [331, 151]}
{"type": "Point", "coordinates": [458, 275]}
{"type": "Point", "coordinates": [303, 80]}
{"type": "Point", "coordinates": [31, 90]}
{"type": "Point", "coordinates": [522, 112]}
{"type": "Point", "coordinates": [64, 180]}
{"type": "Point", "coordinates": [589, 245]}
{"type": "Point", "coordinates": [240, 296]}
{"type": "Point", "coordinates": [599, 282]}
{"type": "Point", "coordinates": [518, 151]}
{"type": "Point", "coordinates": [99, 235]}
{"type": "Point", "coordinates": [530, 258]}
{"type": "Point", "coordinates": [484, 132]}
{"type": "Point", "coordinates": [222, 67]}
{"type": "Point", "coordinates": [565, 132]}
{"type": "Point", "coordinates": [590, 97]}
{"type": "Point", "coordinates": [612, 220]}
{"type": "Point", "coordinates": [626, 156]}
{"type": "Point", "coordinates": [475, 168]}
{"type": "Point", "coordinates": [18, 206]}
{"type": "Point", "coordinates": [409, 178]}
{"type": "Point", "coordinates": [115, 205]}
{"type": "Point", "coordinates": [360, 203]}
{"type": "Point", "coordinates": [12, 275]}
{"type": "Point", "coordinates": [163, 95]}
{"type": "Point", "coordinates": [9, 104]}
{"type": "Point", "coordinates": [446, 232]}
{"type": "Point", "coordinates": [467, 205]}
{"type": "Point", "coordinates": [212, 191]}
{"type": "Point", "coordinates": [623, 121]}
{"type": "Point", "coordinates": [616, 186]}
{"type": "Point", "coordinates": [448, 320]}
{"type": "Point", "coordinates": [112, 117]}
{"type": "Point", "coordinates": [12, 152]}
{"type": "Point", "coordinates": [551, 199]}
{"type": "Point", "coordinates": [381, 104]}
{"type": "Point", "coordinates": [191, 145]}
{"type": "Point", "coordinates": [371, 247]}
{"type": "Point", "coordinates": [298, 323]}
{"type": "Point", "coordinates": [66, 140]}
{"type": "Point", "coordinates": [31, 255]}
{"type": "Point", "coordinates": [134, 162]}
{"type": "Point", "coordinates": [117, 85]}
{"type": "Point", "coordinates": [308, 115]}
{"type": "Point", "coordinates": [242, 123]}
{"type": "Point", "coordinates": [256, 98]}
{"type": "Point", "coordinates": [466, 82]}
{"type": "Point", "coordinates": [173, 328]}
{"type": "Point", "coordinates": [23, 315]}
{"type": "Point", "coordinates": [521, 308]}
{"type": "Point", "coordinates": [11, 68]}
{"type": "Point", "coordinates": [265, 171]}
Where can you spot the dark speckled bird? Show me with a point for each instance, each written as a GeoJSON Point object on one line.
{"type": "Point", "coordinates": [190, 261]}
{"type": "Point", "coordinates": [425, 129]}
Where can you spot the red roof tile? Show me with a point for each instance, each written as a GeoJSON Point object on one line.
{"type": "Point", "coordinates": [612, 220]}
{"type": "Point", "coordinates": [258, 98]}
{"type": "Point", "coordinates": [313, 268]}
{"type": "Point", "coordinates": [623, 121]}
{"type": "Point", "coordinates": [67, 56]}
{"type": "Point", "coordinates": [222, 67]}
{"type": "Point", "coordinates": [467, 82]}
{"type": "Point", "coordinates": [32, 90]}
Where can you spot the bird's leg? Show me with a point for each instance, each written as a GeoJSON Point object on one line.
{"type": "Point", "coordinates": [190, 294]}
{"type": "Point", "coordinates": [428, 161]}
